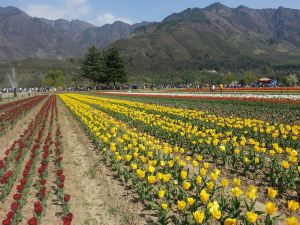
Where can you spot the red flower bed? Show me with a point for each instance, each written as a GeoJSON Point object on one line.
{"type": "Point", "coordinates": [39, 145]}
{"type": "Point", "coordinates": [14, 111]}
{"type": "Point", "coordinates": [15, 103]}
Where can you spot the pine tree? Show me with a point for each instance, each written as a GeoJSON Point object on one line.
{"type": "Point", "coordinates": [93, 66]}
{"type": "Point", "coordinates": [114, 67]}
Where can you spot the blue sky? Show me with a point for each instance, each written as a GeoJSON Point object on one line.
{"type": "Point", "coordinates": [100, 12]}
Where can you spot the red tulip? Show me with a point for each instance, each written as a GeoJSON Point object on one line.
{"type": "Point", "coordinates": [17, 197]}
{"type": "Point", "coordinates": [20, 188]}
{"type": "Point", "coordinates": [38, 208]}
{"type": "Point", "coordinates": [43, 181]}
{"type": "Point", "coordinates": [32, 221]}
{"type": "Point", "coordinates": [67, 198]}
{"type": "Point", "coordinates": [42, 193]}
{"type": "Point", "coordinates": [40, 170]}
{"type": "Point", "coordinates": [1, 164]}
{"type": "Point", "coordinates": [61, 185]}
{"type": "Point", "coordinates": [10, 215]}
{"type": "Point", "coordinates": [14, 206]}
{"type": "Point", "coordinates": [59, 172]}
{"type": "Point", "coordinates": [6, 222]}
{"type": "Point", "coordinates": [62, 178]}
{"type": "Point", "coordinates": [68, 219]}
{"type": "Point", "coordinates": [23, 181]}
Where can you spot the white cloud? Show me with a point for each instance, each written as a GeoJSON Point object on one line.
{"type": "Point", "coordinates": [75, 2]}
{"type": "Point", "coordinates": [71, 9]}
{"type": "Point", "coordinates": [109, 18]}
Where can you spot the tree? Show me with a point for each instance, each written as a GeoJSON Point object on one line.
{"type": "Point", "coordinates": [114, 67]}
{"type": "Point", "coordinates": [93, 66]}
{"type": "Point", "coordinates": [249, 77]}
{"type": "Point", "coordinates": [55, 78]}
{"type": "Point", "coordinates": [228, 78]}
{"type": "Point", "coordinates": [292, 80]}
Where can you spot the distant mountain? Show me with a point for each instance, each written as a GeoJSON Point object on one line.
{"type": "Point", "coordinates": [200, 38]}
{"type": "Point", "coordinates": [215, 37]}
{"type": "Point", "coordinates": [72, 28]}
{"type": "Point", "coordinates": [107, 34]}
{"type": "Point", "coordinates": [23, 36]}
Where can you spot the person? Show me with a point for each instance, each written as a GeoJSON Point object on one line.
{"type": "Point", "coordinates": [213, 88]}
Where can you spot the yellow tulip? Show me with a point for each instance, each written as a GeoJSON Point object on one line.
{"type": "Point", "coordinates": [151, 179]}
{"type": "Point", "coordinates": [252, 193]}
{"type": "Point", "coordinates": [285, 164]}
{"type": "Point", "coordinates": [225, 182]}
{"type": "Point", "coordinates": [164, 206]}
{"type": "Point", "coordinates": [251, 217]}
{"type": "Point", "coordinates": [198, 216]}
{"type": "Point", "coordinates": [195, 163]}
{"type": "Point", "coordinates": [134, 166]}
{"type": "Point", "coordinates": [293, 205]}
{"type": "Point", "coordinates": [206, 165]}
{"type": "Point", "coordinates": [183, 174]}
{"type": "Point", "coordinates": [199, 180]}
{"type": "Point", "coordinates": [236, 182]}
{"type": "Point", "coordinates": [190, 201]}
{"type": "Point", "coordinates": [203, 171]}
{"type": "Point", "coordinates": [166, 177]}
{"type": "Point", "coordinates": [237, 151]}
{"type": "Point", "coordinates": [204, 196]}
{"type": "Point", "coordinates": [140, 173]}
{"type": "Point", "coordinates": [214, 176]}
{"type": "Point", "coordinates": [186, 185]}
{"type": "Point", "coordinates": [159, 175]}
{"type": "Point", "coordinates": [210, 185]}
{"type": "Point", "coordinates": [161, 193]}
{"type": "Point", "coordinates": [128, 157]}
{"type": "Point", "coordinates": [236, 192]}
{"type": "Point", "coordinates": [217, 214]}
{"type": "Point", "coordinates": [170, 163]}
{"type": "Point", "coordinates": [181, 205]}
{"type": "Point", "coordinates": [222, 148]}
{"type": "Point", "coordinates": [272, 193]}
{"type": "Point", "coordinates": [292, 221]}
{"type": "Point", "coordinates": [270, 208]}
{"type": "Point", "coordinates": [230, 221]}
{"type": "Point", "coordinates": [162, 163]}
{"type": "Point", "coordinates": [151, 169]}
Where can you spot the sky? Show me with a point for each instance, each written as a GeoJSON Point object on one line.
{"type": "Point", "coordinates": [100, 12]}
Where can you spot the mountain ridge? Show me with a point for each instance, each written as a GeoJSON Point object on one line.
{"type": "Point", "coordinates": [216, 36]}
{"type": "Point", "coordinates": [23, 36]}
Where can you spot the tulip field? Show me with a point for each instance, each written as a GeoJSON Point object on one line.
{"type": "Point", "coordinates": [157, 163]}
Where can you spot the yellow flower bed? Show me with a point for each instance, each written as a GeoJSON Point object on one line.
{"type": "Point", "coordinates": [180, 185]}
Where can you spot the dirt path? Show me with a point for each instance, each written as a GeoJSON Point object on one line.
{"type": "Point", "coordinates": [15, 131]}
{"type": "Point", "coordinates": [97, 197]}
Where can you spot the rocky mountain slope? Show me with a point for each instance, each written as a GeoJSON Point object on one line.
{"type": "Point", "coordinates": [215, 37]}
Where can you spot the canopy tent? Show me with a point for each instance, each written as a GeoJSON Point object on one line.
{"type": "Point", "coordinates": [264, 79]}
